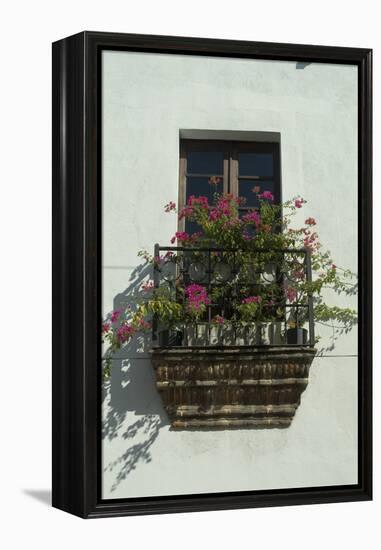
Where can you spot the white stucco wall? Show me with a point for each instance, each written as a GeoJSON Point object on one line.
{"type": "Point", "coordinates": [147, 100]}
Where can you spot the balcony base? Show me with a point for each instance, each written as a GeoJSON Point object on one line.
{"type": "Point", "coordinates": [235, 387]}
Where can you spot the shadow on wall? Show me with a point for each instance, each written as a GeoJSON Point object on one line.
{"type": "Point", "coordinates": [337, 331]}
{"type": "Point", "coordinates": [132, 408]}
{"type": "Point", "coordinates": [301, 65]}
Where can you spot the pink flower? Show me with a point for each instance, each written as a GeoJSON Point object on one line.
{"type": "Point", "coordinates": [298, 273]}
{"type": "Point", "coordinates": [266, 195]}
{"type": "Point", "coordinates": [311, 241]}
{"type": "Point", "coordinates": [333, 266]}
{"type": "Point", "coordinates": [225, 207]}
{"type": "Point", "coordinates": [124, 333]}
{"type": "Point", "coordinates": [115, 315]}
{"type": "Point", "coordinates": [214, 180]}
{"type": "Point", "coordinates": [252, 300]}
{"type": "Point", "coordinates": [299, 202]}
{"type": "Point", "coordinates": [170, 206]}
{"type": "Point", "coordinates": [231, 223]}
{"type": "Point", "coordinates": [196, 292]}
{"type": "Point", "coordinates": [218, 320]}
{"type": "Point", "coordinates": [197, 298]}
{"type": "Point", "coordinates": [198, 201]}
{"type": "Point", "coordinates": [291, 294]}
{"type": "Point", "coordinates": [144, 325]}
{"type": "Point", "coordinates": [225, 204]}
{"type": "Point", "coordinates": [252, 217]}
{"type": "Point", "coordinates": [215, 215]}
{"type": "Point", "coordinates": [310, 221]}
{"type": "Point", "coordinates": [308, 244]}
{"type": "Point", "coordinates": [147, 286]}
{"type": "Point", "coordinates": [106, 327]}
{"type": "Point", "coordinates": [186, 212]}
{"type": "Point", "coordinates": [182, 236]}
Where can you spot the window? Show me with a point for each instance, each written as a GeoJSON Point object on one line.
{"type": "Point", "coordinates": [243, 168]}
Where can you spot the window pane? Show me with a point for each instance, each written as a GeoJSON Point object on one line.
{"type": "Point", "coordinates": [249, 189]}
{"type": "Point", "coordinates": [192, 227]}
{"type": "Point", "coordinates": [203, 186]}
{"type": "Point", "coordinates": [208, 162]}
{"type": "Point", "coordinates": [255, 164]}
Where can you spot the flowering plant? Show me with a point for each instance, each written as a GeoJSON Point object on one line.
{"type": "Point", "coordinates": [269, 228]}
{"type": "Point", "coordinates": [270, 272]}
{"type": "Point", "coordinates": [197, 300]}
{"type": "Point", "coordinates": [250, 308]}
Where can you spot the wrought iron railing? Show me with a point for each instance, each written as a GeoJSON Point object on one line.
{"type": "Point", "coordinates": [231, 275]}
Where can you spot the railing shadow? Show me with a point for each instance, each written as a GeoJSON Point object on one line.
{"type": "Point", "coordinates": [132, 409]}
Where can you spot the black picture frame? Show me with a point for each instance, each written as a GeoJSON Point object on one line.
{"type": "Point", "coordinates": [76, 273]}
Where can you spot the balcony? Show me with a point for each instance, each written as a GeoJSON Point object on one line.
{"type": "Point", "coordinates": [234, 364]}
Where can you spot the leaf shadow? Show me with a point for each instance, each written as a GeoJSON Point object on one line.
{"type": "Point", "coordinates": [132, 410]}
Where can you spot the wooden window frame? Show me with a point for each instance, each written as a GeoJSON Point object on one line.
{"type": "Point", "coordinates": [231, 150]}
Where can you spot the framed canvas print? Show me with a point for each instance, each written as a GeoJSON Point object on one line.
{"type": "Point", "coordinates": [212, 274]}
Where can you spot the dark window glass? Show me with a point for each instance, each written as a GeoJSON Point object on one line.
{"type": "Point", "coordinates": [250, 230]}
{"type": "Point", "coordinates": [255, 164]}
{"type": "Point", "coordinates": [202, 186]}
{"type": "Point", "coordinates": [192, 227]}
{"type": "Point", "coordinates": [249, 190]}
{"type": "Point", "coordinates": [242, 168]}
{"type": "Point", "coordinates": [208, 162]}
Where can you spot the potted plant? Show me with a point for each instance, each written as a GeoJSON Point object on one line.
{"type": "Point", "coordinates": [297, 335]}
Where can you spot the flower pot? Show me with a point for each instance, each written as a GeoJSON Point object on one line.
{"type": "Point", "coordinates": [297, 336]}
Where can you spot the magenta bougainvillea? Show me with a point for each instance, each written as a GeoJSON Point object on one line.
{"type": "Point", "coordinates": [197, 298]}
{"type": "Point", "coordinates": [222, 224]}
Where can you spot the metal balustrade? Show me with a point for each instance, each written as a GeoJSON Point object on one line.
{"type": "Point", "coordinates": [236, 274]}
